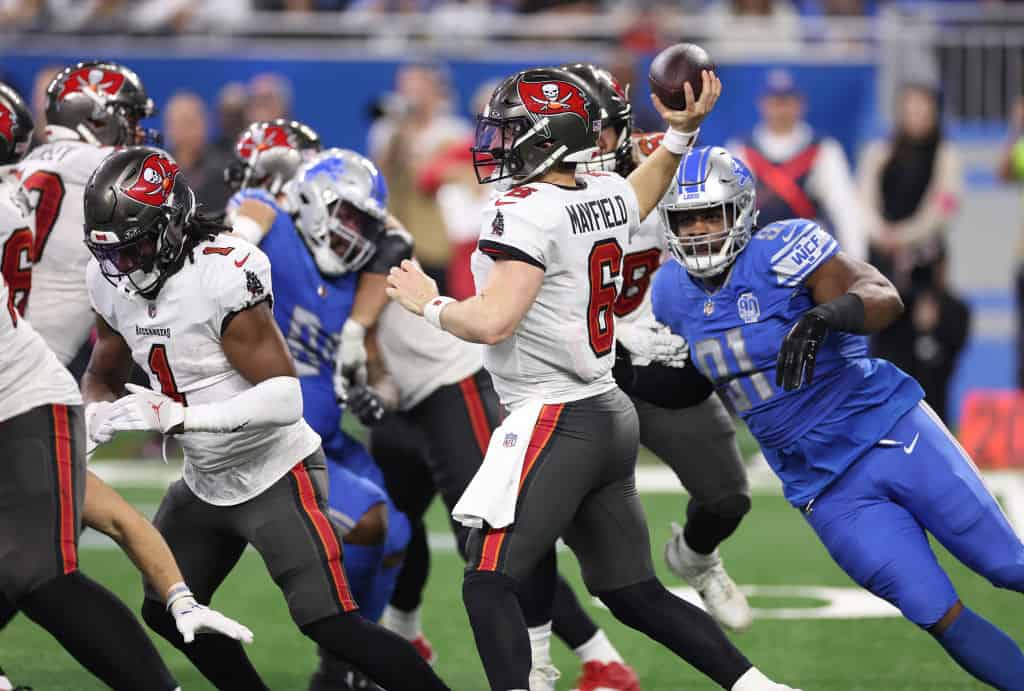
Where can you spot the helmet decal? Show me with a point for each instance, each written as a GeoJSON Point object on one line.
{"type": "Point", "coordinates": [553, 97]}
{"type": "Point", "coordinates": [154, 182]}
{"type": "Point", "coordinates": [6, 123]}
{"type": "Point", "coordinates": [262, 139]}
{"type": "Point", "coordinates": [92, 79]}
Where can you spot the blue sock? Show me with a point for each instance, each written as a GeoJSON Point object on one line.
{"type": "Point", "coordinates": [362, 564]}
{"type": "Point", "coordinates": [984, 651]}
{"type": "Point", "coordinates": [381, 591]}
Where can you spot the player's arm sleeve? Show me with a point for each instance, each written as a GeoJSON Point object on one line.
{"type": "Point", "coordinates": [395, 245]}
{"type": "Point", "coordinates": [833, 184]}
{"type": "Point", "coordinates": [507, 234]}
{"type": "Point", "coordinates": [794, 253]}
{"type": "Point", "coordinates": [237, 288]}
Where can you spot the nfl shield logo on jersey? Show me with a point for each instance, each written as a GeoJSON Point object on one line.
{"type": "Point", "coordinates": [510, 440]}
{"type": "Point", "coordinates": [749, 308]}
{"type": "Point", "coordinates": [152, 310]}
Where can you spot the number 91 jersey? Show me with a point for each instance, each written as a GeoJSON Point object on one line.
{"type": "Point", "coordinates": [564, 347]}
{"type": "Point", "coordinates": [176, 340]}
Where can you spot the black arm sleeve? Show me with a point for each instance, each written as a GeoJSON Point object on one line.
{"type": "Point", "coordinates": [394, 246]}
{"type": "Point", "coordinates": [665, 387]}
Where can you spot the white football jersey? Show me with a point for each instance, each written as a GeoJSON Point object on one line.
{"type": "Point", "coordinates": [564, 348]}
{"type": "Point", "coordinates": [646, 253]}
{"type": "Point", "coordinates": [30, 374]}
{"type": "Point", "coordinates": [176, 340]}
{"type": "Point", "coordinates": [420, 358]}
{"type": "Point", "coordinates": [53, 177]}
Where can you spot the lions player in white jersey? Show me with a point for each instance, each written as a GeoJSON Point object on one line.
{"type": "Point", "coordinates": [548, 272]}
{"type": "Point", "coordinates": [682, 420]}
{"type": "Point", "coordinates": [192, 309]}
{"type": "Point", "coordinates": [91, 107]}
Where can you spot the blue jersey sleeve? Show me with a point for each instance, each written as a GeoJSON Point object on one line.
{"type": "Point", "coordinates": [663, 297]}
{"type": "Point", "coordinates": [793, 250]}
{"type": "Point", "coordinates": [257, 194]}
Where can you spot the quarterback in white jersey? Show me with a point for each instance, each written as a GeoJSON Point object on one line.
{"type": "Point", "coordinates": [91, 108]}
{"type": "Point", "coordinates": [562, 465]}
{"type": "Point", "coordinates": [192, 307]}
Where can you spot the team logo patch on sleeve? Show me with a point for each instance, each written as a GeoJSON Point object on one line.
{"type": "Point", "coordinates": [806, 248]}
{"type": "Point", "coordinates": [155, 181]}
{"type": "Point", "coordinates": [253, 284]}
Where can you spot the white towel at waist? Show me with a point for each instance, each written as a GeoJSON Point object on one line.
{"type": "Point", "coordinates": [492, 493]}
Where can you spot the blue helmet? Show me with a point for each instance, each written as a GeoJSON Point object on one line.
{"type": "Point", "coordinates": [710, 183]}
{"type": "Point", "coordinates": [340, 204]}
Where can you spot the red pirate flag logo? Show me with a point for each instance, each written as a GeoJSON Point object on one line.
{"type": "Point", "coordinates": [94, 80]}
{"type": "Point", "coordinates": [155, 181]}
{"type": "Point", "coordinates": [6, 123]}
{"type": "Point", "coordinates": [553, 98]}
{"type": "Point", "coordinates": [262, 139]}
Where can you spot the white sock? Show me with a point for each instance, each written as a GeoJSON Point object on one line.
{"type": "Point", "coordinates": [598, 648]}
{"type": "Point", "coordinates": [405, 624]}
{"type": "Point", "coordinates": [753, 680]}
{"type": "Point", "coordinates": [540, 644]}
{"type": "Point", "coordinates": [5, 683]}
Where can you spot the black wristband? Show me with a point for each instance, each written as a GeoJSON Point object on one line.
{"type": "Point", "coordinates": [845, 313]}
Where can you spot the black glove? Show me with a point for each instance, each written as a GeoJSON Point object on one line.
{"type": "Point", "coordinates": [799, 350]}
{"type": "Point", "coordinates": [366, 404]}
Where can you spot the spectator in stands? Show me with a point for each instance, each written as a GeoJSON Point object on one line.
{"type": "Point", "coordinates": [799, 172]}
{"type": "Point", "coordinates": [232, 107]}
{"type": "Point", "coordinates": [911, 185]}
{"type": "Point", "coordinates": [186, 127]}
{"type": "Point", "coordinates": [1011, 169]}
{"type": "Point", "coordinates": [270, 97]}
{"type": "Point", "coordinates": [415, 125]}
{"type": "Point", "coordinates": [763, 27]}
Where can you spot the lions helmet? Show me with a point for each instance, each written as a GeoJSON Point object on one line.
{"type": "Point", "coordinates": [339, 200]}
{"type": "Point", "coordinates": [536, 119]}
{"type": "Point", "coordinates": [710, 184]}
{"type": "Point", "coordinates": [102, 102]}
{"type": "Point", "coordinates": [137, 206]}
{"type": "Point", "coordinates": [15, 126]}
{"type": "Point", "coordinates": [269, 153]}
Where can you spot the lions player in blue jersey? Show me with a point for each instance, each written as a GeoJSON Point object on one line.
{"type": "Point", "coordinates": [316, 260]}
{"type": "Point", "coordinates": [775, 318]}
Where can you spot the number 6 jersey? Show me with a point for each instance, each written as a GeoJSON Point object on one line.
{"type": "Point", "coordinates": [176, 340]}
{"type": "Point", "coordinates": [564, 347]}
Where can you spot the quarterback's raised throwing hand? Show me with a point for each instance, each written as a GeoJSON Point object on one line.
{"type": "Point", "coordinates": [689, 120]}
{"type": "Point", "coordinates": [410, 287]}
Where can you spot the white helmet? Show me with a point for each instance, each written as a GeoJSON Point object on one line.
{"type": "Point", "coordinates": [340, 204]}
{"type": "Point", "coordinates": [710, 180]}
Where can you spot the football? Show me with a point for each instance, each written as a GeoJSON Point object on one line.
{"type": "Point", "coordinates": [673, 67]}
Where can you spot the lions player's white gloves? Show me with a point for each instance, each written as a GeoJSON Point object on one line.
{"type": "Point", "coordinates": [143, 409]}
{"type": "Point", "coordinates": [651, 341]}
{"type": "Point", "coordinates": [350, 361]}
{"type": "Point", "coordinates": [97, 425]}
{"type": "Point", "coordinates": [191, 618]}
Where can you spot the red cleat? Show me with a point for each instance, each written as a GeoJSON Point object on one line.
{"type": "Point", "coordinates": [424, 648]}
{"type": "Point", "coordinates": [611, 676]}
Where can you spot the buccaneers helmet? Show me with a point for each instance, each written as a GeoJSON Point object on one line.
{"type": "Point", "coordinates": [102, 102]}
{"type": "Point", "coordinates": [137, 207]}
{"type": "Point", "coordinates": [15, 126]}
{"type": "Point", "coordinates": [535, 120]}
{"type": "Point", "coordinates": [269, 153]}
{"type": "Point", "coordinates": [340, 204]}
{"type": "Point", "coordinates": [614, 99]}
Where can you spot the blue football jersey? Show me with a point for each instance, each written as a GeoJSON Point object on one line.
{"type": "Point", "coordinates": [310, 310]}
{"type": "Point", "coordinates": [811, 435]}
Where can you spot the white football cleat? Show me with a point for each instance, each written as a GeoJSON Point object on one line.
{"type": "Point", "coordinates": [705, 573]}
{"type": "Point", "coordinates": [755, 680]}
{"type": "Point", "coordinates": [543, 678]}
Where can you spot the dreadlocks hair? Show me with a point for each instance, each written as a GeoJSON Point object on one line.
{"type": "Point", "coordinates": [202, 227]}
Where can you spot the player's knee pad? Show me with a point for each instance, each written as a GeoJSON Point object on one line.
{"type": "Point", "coordinates": [635, 604]}
{"type": "Point", "coordinates": [924, 607]}
{"type": "Point", "coordinates": [733, 506]}
{"type": "Point", "coordinates": [372, 527]}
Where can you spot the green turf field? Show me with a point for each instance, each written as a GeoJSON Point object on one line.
{"type": "Point", "coordinates": [772, 547]}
